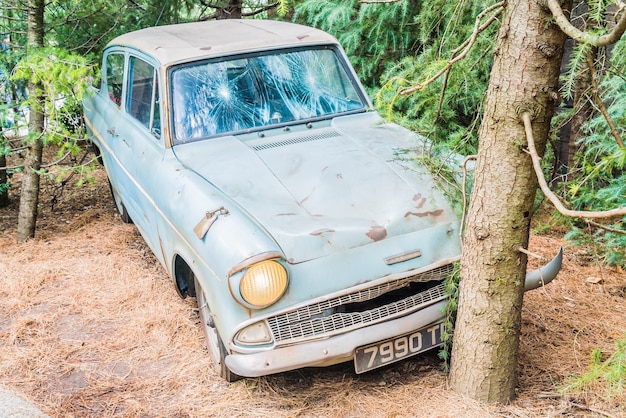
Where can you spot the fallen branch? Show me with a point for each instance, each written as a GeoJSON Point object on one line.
{"type": "Point", "coordinates": [528, 253]}
{"type": "Point", "coordinates": [597, 411]}
{"type": "Point", "coordinates": [526, 117]}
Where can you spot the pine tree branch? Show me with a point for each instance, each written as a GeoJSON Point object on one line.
{"type": "Point", "coordinates": [606, 228]}
{"type": "Point", "coordinates": [210, 5]}
{"type": "Point", "coordinates": [260, 10]}
{"type": "Point", "coordinates": [243, 14]}
{"type": "Point", "coordinates": [598, 101]}
{"type": "Point", "coordinates": [585, 37]}
{"type": "Point", "coordinates": [464, 48]}
{"type": "Point", "coordinates": [526, 118]}
{"type": "Point", "coordinates": [442, 96]}
{"type": "Point", "coordinates": [54, 163]}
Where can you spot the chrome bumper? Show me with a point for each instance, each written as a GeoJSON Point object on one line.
{"type": "Point", "coordinates": [340, 348]}
{"type": "Point", "coordinates": [332, 350]}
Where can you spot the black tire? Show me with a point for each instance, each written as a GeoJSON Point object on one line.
{"type": "Point", "coordinates": [213, 340]}
{"type": "Point", "coordinates": [121, 209]}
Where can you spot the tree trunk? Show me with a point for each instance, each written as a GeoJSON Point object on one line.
{"type": "Point", "coordinates": [232, 11]}
{"type": "Point", "coordinates": [4, 193]}
{"type": "Point", "coordinates": [583, 112]}
{"type": "Point", "coordinates": [583, 108]}
{"type": "Point", "coordinates": [524, 77]}
{"type": "Point", "coordinates": [29, 198]}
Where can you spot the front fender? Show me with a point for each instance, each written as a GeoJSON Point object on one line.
{"type": "Point", "coordinates": [545, 274]}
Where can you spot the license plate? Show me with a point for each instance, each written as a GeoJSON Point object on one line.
{"type": "Point", "coordinates": [382, 353]}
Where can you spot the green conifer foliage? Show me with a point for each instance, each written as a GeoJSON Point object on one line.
{"type": "Point", "coordinates": [395, 45]}
{"type": "Point", "coordinates": [602, 164]}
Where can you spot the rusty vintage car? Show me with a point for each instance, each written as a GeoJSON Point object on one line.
{"type": "Point", "coordinates": [248, 155]}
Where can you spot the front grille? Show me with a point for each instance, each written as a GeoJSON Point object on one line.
{"type": "Point", "coordinates": [330, 317]}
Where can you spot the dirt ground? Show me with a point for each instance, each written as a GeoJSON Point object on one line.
{"type": "Point", "coordinates": [91, 326]}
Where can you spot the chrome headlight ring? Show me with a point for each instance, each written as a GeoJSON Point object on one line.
{"type": "Point", "coordinates": [259, 281]}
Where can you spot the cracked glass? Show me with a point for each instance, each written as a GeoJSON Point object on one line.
{"type": "Point", "coordinates": [213, 98]}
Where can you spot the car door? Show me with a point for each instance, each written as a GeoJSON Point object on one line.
{"type": "Point", "coordinates": [141, 148]}
{"type": "Point", "coordinates": [106, 115]}
{"type": "Point", "coordinates": [125, 116]}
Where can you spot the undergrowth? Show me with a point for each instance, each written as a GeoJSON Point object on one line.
{"type": "Point", "coordinates": [609, 373]}
{"type": "Point", "coordinates": [450, 311]}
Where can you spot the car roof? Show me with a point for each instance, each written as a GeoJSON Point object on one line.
{"type": "Point", "coordinates": [188, 41]}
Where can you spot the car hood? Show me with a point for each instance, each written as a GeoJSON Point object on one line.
{"type": "Point", "coordinates": [324, 190]}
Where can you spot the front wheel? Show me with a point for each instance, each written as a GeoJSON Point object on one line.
{"type": "Point", "coordinates": [214, 341]}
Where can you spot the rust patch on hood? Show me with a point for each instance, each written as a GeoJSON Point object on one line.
{"type": "Point", "coordinates": [419, 201]}
{"type": "Point", "coordinates": [437, 212]}
{"type": "Point", "coordinates": [377, 233]}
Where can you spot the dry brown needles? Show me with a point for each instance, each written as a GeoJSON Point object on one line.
{"type": "Point", "coordinates": [91, 326]}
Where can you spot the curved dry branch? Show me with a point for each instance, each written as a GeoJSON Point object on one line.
{"type": "Point", "coordinates": [442, 96]}
{"type": "Point", "coordinates": [260, 10]}
{"type": "Point", "coordinates": [464, 48]}
{"type": "Point", "coordinates": [467, 160]}
{"type": "Point", "coordinates": [606, 228]}
{"type": "Point", "coordinates": [598, 101]}
{"type": "Point", "coordinates": [526, 117]}
{"type": "Point", "coordinates": [52, 163]}
{"type": "Point", "coordinates": [585, 37]}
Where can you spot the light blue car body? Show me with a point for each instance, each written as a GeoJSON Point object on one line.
{"type": "Point", "coordinates": [338, 200]}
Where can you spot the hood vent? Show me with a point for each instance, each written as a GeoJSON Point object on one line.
{"type": "Point", "coordinates": [295, 140]}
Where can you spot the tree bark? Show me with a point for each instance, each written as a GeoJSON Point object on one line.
{"type": "Point", "coordinates": [524, 77]}
{"type": "Point", "coordinates": [583, 108]}
{"type": "Point", "coordinates": [29, 198]}
{"type": "Point", "coordinates": [232, 11]}
{"type": "Point", "coordinates": [583, 112]}
{"type": "Point", "coordinates": [4, 193]}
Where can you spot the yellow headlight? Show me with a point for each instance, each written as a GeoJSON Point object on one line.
{"type": "Point", "coordinates": [264, 283]}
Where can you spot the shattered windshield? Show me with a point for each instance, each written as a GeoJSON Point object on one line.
{"type": "Point", "coordinates": [212, 98]}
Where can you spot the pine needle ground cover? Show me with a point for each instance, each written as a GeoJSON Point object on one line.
{"type": "Point", "coordinates": [91, 326]}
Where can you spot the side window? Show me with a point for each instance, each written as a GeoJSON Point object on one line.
{"type": "Point", "coordinates": [143, 99]}
{"type": "Point", "coordinates": [115, 77]}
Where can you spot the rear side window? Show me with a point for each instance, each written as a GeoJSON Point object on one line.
{"type": "Point", "coordinates": [142, 98]}
{"type": "Point", "coordinates": [115, 77]}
